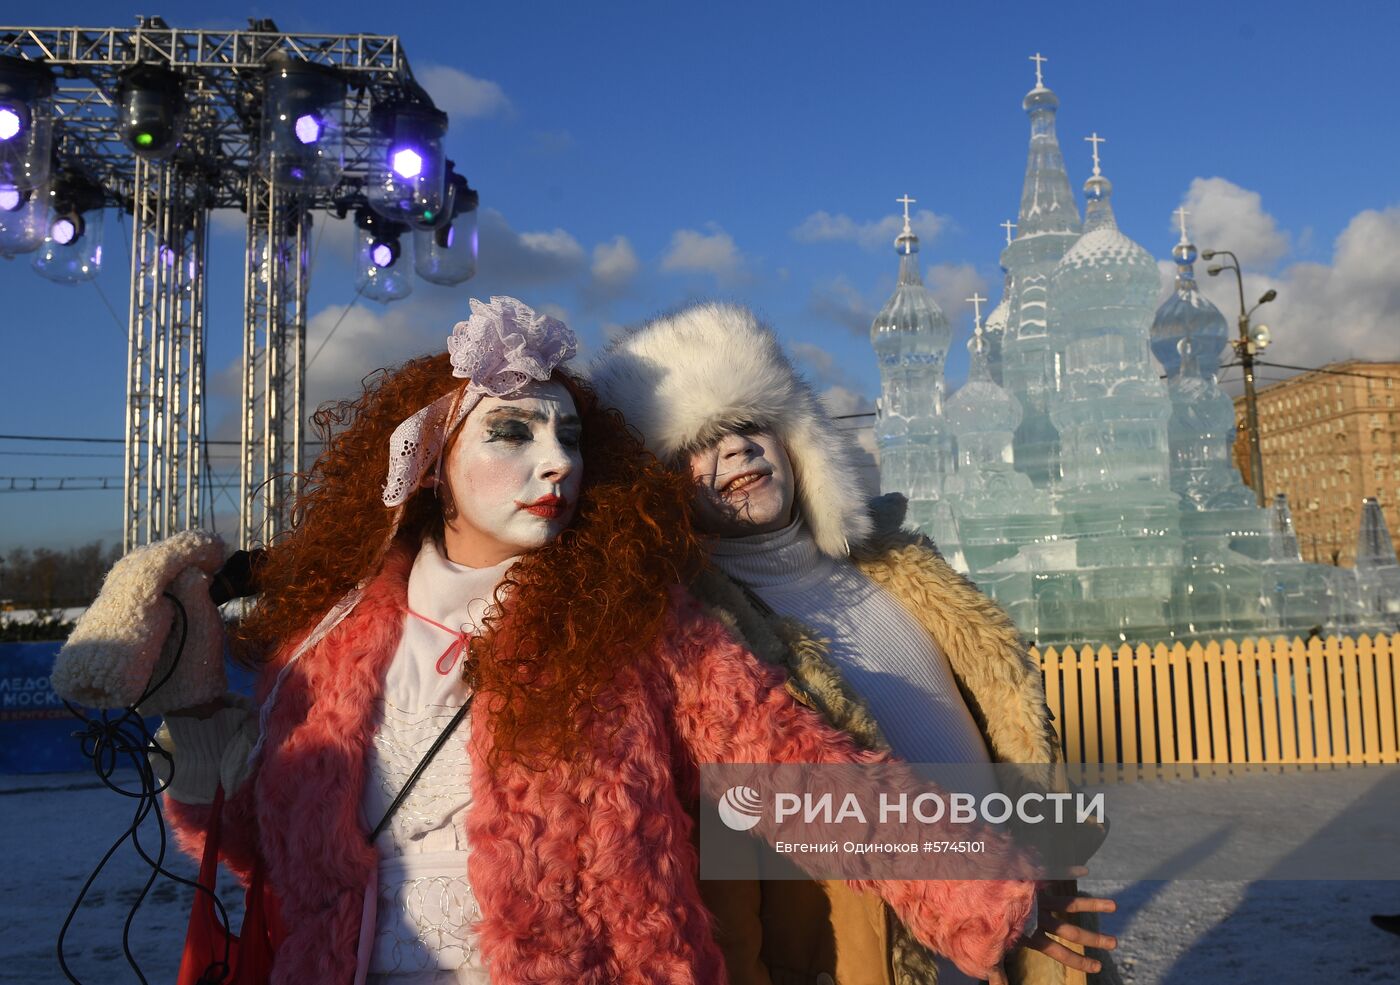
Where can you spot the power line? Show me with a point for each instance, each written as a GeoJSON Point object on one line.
{"type": "Point", "coordinates": [115, 441]}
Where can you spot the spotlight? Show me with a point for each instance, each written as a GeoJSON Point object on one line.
{"type": "Point", "coordinates": [447, 255]}
{"type": "Point", "coordinates": [384, 253]}
{"type": "Point", "coordinates": [72, 252]}
{"type": "Point", "coordinates": [26, 122]}
{"type": "Point", "coordinates": [409, 185]}
{"type": "Point", "coordinates": [151, 111]}
{"type": "Point", "coordinates": [11, 123]}
{"type": "Point", "coordinates": [378, 274]}
{"type": "Point", "coordinates": [23, 220]}
{"type": "Point", "coordinates": [408, 163]}
{"type": "Point", "coordinates": [302, 141]}
{"type": "Point", "coordinates": [66, 228]}
{"type": "Point", "coordinates": [309, 128]}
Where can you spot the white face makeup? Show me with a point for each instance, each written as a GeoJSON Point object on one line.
{"type": "Point", "coordinates": [743, 484]}
{"type": "Point", "coordinates": [514, 474]}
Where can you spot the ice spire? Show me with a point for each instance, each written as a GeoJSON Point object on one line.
{"type": "Point", "coordinates": [1374, 548]}
{"type": "Point", "coordinates": [1377, 569]}
{"type": "Point", "coordinates": [1047, 205]}
{"type": "Point", "coordinates": [1188, 333]}
{"type": "Point", "coordinates": [911, 337]}
{"type": "Point", "coordinates": [1047, 226]}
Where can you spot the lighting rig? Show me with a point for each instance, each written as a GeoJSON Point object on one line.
{"type": "Point", "coordinates": [169, 124]}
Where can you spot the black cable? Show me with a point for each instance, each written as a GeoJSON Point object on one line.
{"type": "Point", "coordinates": [107, 742]}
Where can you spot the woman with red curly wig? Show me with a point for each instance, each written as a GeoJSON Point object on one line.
{"type": "Point", "coordinates": [516, 576]}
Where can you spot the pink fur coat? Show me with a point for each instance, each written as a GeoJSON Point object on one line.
{"type": "Point", "coordinates": [586, 872]}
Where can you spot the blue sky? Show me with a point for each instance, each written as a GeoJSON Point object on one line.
{"type": "Point", "coordinates": [634, 156]}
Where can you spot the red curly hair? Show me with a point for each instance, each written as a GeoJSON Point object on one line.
{"type": "Point", "coordinates": [570, 615]}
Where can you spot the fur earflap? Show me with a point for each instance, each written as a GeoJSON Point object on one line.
{"type": "Point", "coordinates": [685, 378]}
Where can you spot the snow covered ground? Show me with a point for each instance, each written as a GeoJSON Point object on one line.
{"type": "Point", "coordinates": [55, 827]}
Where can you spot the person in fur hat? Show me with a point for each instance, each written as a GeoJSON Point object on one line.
{"type": "Point", "coordinates": [518, 571]}
{"type": "Point", "coordinates": [874, 628]}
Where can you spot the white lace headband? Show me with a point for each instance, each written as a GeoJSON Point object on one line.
{"type": "Point", "coordinates": [500, 348]}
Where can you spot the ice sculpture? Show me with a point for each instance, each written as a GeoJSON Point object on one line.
{"type": "Point", "coordinates": [911, 337]}
{"type": "Point", "coordinates": [1377, 569]}
{"type": "Point", "coordinates": [1089, 489]}
{"type": "Point", "coordinates": [1047, 228]}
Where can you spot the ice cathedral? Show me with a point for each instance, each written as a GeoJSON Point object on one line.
{"type": "Point", "coordinates": [1082, 475]}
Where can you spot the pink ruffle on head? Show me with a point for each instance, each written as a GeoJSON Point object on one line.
{"type": "Point", "coordinates": [505, 344]}
{"type": "Point", "coordinates": [502, 347]}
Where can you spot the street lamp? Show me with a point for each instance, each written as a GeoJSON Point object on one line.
{"type": "Point", "coordinates": [1249, 342]}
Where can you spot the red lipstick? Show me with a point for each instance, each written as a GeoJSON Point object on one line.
{"type": "Point", "coordinates": [550, 507]}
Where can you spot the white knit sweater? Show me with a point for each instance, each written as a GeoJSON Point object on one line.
{"type": "Point", "coordinates": [884, 655]}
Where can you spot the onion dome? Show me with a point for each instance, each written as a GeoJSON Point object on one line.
{"type": "Point", "coordinates": [1189, 333]}
{"type": "Point", "coordinates": [981, 405]}
{"type": "Point", "coordinates": [911, 317]}
{"type": "Point", "coordinates": [1103, 255]}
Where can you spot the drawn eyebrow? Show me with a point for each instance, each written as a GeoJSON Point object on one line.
{"type": "Point", "coordinates": [516, 413]}
{"type": "Point", "coordinates": [533, 416]}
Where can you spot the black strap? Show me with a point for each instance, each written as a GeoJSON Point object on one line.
{"type": "Point", "coordinates": [422, 765]}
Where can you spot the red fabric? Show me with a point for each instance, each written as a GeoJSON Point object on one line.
{"type": "Point", "coordinates": [585, 871]}
{"type": "Point", "coordinates": [210, 954]}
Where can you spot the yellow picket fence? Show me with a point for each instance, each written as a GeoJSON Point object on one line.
{"type": "Point", "coordinates": [1256, 701]}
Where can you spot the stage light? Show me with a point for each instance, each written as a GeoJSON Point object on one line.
{"type": "Point", "coordinates": [308, 128]}
{"type": "Point", "coordinates": [409, 183]}
{"type": "Point", "coordinates": [150, 111]}
{"type": "Point", "coordinates": [384, 254]}
{"type": "Point", "coordinates": [408, 163]}
{"type": "Point", "coordinates": [302, 140]}
{"type": "Point", "coordinates": [23, 221]}
{"type": "Point", "coordinates": [447, 255]}
{"type": "Point", "coordinates": [66, 228]}
{"type": "Point", "coordinates": [378, 274]}
{"type": "Point", "coordinates": [26, 123]}
{"type": "Point", "coordinates": [10, 123]}
{"type": "Point", "coordinates": [72, 251]}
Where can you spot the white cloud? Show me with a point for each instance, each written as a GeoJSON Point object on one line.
{"type": "Point", "coordinates": [463, 96]}
{"type": "Point", "coordinates": [951, 284]}
{"type": "Point", "coordinates": [818, 361]}
{"type": "Point", "coordinates": [1347, 309]}
{"type": "Point", "coordinates": [1222, 215]}
{"type": "Point", "coordinates": [710, 252]}
{"type": "Point", "coordinates": [510, 258]}
{"type": "Point", "coordinates": [614, 263]}
{"type": "Point", "coordinates": [840, 401]}
{"type": "Point", "coordinates": [879, 234]}
{"type": "Point", "coordinates": [842, 303]}
{"type": "Point", "coordinates": [370, 337]}
{"type": "Point", "coordinates": [1325, 312]}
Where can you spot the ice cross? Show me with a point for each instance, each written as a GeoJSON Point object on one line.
{"type": "Point", "coordinates": [976, 302]}
{"type": "Point", "coordinates": [1095, 139]}
{"type": "Point", "coordinates": [1008, 225]}
{"type": "Point", "coordinates": [1039, 59]}
{"type": "Point", "coordinates": [906, 201]}
{"type": "Point", "coordinates": [1181, 215]}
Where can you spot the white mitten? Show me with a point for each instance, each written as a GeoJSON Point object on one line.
{"type": "Point", "coordinates": [131, 632]}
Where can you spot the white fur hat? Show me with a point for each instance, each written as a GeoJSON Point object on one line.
{"type": "Point", "coordinates": [685, 378]}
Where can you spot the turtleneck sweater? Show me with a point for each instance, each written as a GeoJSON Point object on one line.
{"type": "Point", "coordinates": [885, 656]}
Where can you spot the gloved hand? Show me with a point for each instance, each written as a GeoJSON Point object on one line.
{"type": "Point", "coordinates": [130, 634]}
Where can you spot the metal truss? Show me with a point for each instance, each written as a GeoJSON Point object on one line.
{"type": "Point", "coordinates": [165, 353]}
{"type": "Point", "coordinates": [222, 78]}
{"type": "Point", "coordinates": [274, 360]}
